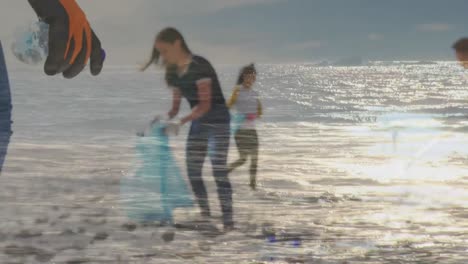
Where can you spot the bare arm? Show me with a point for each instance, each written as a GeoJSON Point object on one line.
{"type": "Point", "coordinates": [176, 98]}
{"type": "Point", "coordinates": [259, 108]}
{"type": "Point", "coordinates": [204, 101]}
{"type": "Point", "coordinates": [233, 98]}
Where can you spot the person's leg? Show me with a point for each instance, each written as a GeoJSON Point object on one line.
{"type": "Point", "coordinates": [254, 159]}
{"type": "Point", "coordinates": [220, 134]}
{"type": "Point", "coordinates": [240, 142]}
{"type": "Point", "coordinates": [5, 109]}
{"type": "Point", "coordinates": [4, 140]}
{"type": "Point", "coordinates": [196, 151]}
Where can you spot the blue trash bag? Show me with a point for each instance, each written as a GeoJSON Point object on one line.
{"type": "Point", "coordinates": [157, 186]}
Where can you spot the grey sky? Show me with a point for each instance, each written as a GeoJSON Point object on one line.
{"type": "Point", "coordinates": [241, 31]}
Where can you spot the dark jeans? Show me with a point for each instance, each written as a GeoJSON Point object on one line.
{"type": "Point", "coordinates": [247, 144]}
{"type": "Point", "coordinates": [215, 135]}
{"type": "Point", "coordinates": [4, 140]}
{"type": "Point", "coordinates": [5, 133]}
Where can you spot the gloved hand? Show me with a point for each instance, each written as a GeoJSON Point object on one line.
{"type": "Point", "coordinates": [173, 127]}
{"type": "Point", "coordinates": [72, 42]}
{"type": "Point", "coordinates": [251, 117]}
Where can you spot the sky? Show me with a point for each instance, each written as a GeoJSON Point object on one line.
{"type": "Point", "coordinates": [268, 31]}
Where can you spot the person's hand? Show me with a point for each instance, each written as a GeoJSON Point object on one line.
{"type": "Point", "coordinates": [172, 128]}
{"type": "Point", "coordinates": [251, 117]}
{"type": "Point", "coordinates": [171, 114]}
{"type": "Point", "coordinates": [156, 119]}
{"type": "Point", "coordinates": [72, 42]}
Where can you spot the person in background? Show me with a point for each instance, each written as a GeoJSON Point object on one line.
{"type": "Point", "coordinates": [246, 102]}
{"type": "Point", "coordinates": [461, 51]}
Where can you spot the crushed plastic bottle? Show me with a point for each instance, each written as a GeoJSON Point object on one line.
{"type": "Point", "coordinates": [30, 44]}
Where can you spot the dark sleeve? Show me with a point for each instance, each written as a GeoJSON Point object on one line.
{"type": "Point", "coordinates": [204, 71]}
{"type": "Point", "coordinates": [47, 9]}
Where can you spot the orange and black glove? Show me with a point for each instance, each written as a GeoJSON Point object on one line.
{"type": "Point", "coordinates": [72, 42]}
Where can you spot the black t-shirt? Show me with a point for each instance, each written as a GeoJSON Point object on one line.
{"type": "Point", "coordinates": [200, 69]}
